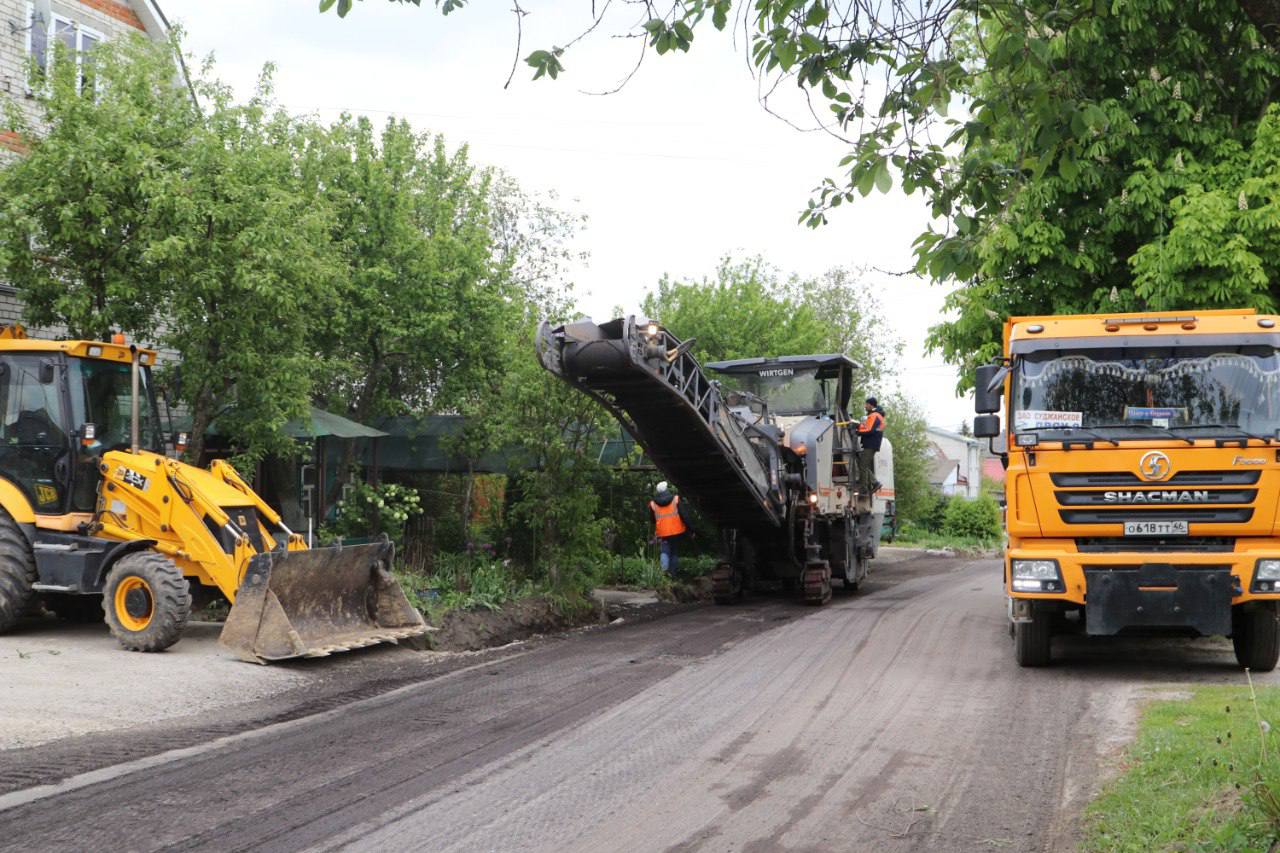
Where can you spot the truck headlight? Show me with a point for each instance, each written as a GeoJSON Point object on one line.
{"type": "Point", "coordinates": [1036, 576]}
{"type": "Point", "coordinates": [1266, 576]}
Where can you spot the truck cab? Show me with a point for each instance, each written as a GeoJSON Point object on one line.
{"type": "Point", "coordinates": [1143, 484]}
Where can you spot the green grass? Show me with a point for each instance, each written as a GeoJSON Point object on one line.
{"type": "Point", "coordinates": [915, 537]}
{"type": "Point", "coordinates": [1203, 774]}
{"type": "Point", "coordinates": [471, 582]}
{"type": "Point", "coordinates": [643, 571]}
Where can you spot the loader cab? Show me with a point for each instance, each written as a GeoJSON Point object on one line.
{"type": "Point", "coordinates": [50, 391]}
{"type": "Point", "coordinates": [788, 388]}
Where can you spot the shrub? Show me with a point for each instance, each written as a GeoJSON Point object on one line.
{"type": "Point", "coordinates": [369, 511]}
{"type": "Point", "coordinates": [975, 519]}
{"type": "Point", "coordinates": [933, 511]}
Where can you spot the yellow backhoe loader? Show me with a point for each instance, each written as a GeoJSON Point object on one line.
{"type": "Point", "coordinates": [96, 520]}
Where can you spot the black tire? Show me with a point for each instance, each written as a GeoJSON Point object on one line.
{"type": "Point", "coordinates": [726, 584]}
{"type": "Point", "coordinates": [1255, 634]}
{"type": "Point", "coordinates": [17, 572]}
{"type": "Point", "coordinates": [1031, 640]}
{"type": "Point", "coordinates": [83, 609]}
{"type": "Point", "coordinates": [146, 602]}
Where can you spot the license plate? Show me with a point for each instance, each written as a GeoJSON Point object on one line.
{"type": "Point", "coordinates": [1155, 528]}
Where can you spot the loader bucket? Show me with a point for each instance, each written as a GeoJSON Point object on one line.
{"type": "Point", "coordinates": [319, 601]}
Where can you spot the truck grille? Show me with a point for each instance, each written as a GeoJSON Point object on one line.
{"type": "Point", "coordinates": [1156, 545]}
{"type": "Point", "coordinates": [1116, 516]}
{"type": "Point", "coordinates": [1182, 478]}
{"type": "Point", "coordinates": [1178, 497]}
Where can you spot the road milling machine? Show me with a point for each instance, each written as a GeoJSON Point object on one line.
{"type": "Point", "coordinates": [97, 521]}
{"type": "Point", "coordinates": [767, 450]}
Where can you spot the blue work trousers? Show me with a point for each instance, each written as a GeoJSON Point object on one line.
{"type": "Point", "coordinates": [667, 554]}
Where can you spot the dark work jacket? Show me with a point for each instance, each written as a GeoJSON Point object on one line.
{"type": "Point", "coordinates": [871, 430]}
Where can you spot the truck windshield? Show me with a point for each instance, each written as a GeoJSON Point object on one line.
{"type": "Point", "coordinates": [1149, 390]}
{"type": "Point", "coordinates": [787, 390]}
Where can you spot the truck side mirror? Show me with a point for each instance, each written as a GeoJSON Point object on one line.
{"type": "Point", "coordinates": [986, 426]}
{"type": "Point", "coordinates": [46, 372]}
{"type": "Point", "coordinates": [987, 390]}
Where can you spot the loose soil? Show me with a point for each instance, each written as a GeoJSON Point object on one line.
{"type": "Point", "coordinates": [472, 630]}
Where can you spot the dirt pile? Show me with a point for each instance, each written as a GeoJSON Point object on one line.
{"type": "Point", "coordinates": [469, 630]}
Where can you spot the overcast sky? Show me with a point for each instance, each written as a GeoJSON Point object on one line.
{"type": "Point", "coordinates": [680, 167]}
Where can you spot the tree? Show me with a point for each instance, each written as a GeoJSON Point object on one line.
{"type": "Point", "coordinates": [242, 242]}
{"type": "Point", "coordinates": [1148, 184]}
{"type": "Point", "coordinates": [138, 210]}
{"type": "Point", "coordinates": [417, 311]}
{"type": "Point", "coordinates": [555, 516]}
{"type": "Point", "coordinates": [750, 309]}
{"type": "Point", "coordinates": [906, 428]}
{"type": "Point", "coordinates": [76, 212]}
{"type": "Point", "coordinates": [1099, 156]}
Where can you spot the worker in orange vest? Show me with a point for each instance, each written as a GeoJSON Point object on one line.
{"type": "Point", "coordinates": [870, 434]}
{"type": "Point", "coordinates": [669, 524]}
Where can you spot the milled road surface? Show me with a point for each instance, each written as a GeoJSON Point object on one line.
{"type": "Point", "coordinates": [893, 720]}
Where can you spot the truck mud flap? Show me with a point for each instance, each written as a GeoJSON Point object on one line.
{"type": "Point", "coordinates": [1158, 595]}
{"type": "Point", "coordinates": [315, 602]}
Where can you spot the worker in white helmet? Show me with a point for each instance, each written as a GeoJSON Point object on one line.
{"type": "Point", "coordinates": [669, 525]}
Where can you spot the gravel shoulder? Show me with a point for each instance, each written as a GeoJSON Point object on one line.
{"type": "Point", "coordinates": [59, 680]}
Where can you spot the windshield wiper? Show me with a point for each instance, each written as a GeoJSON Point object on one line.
{"type": "Point", "coordinates": [1088, 432]}
{"type": "Point", "coordinates": [1246, 434]}
{"type": "Point", "coordinates": [1166, 432]}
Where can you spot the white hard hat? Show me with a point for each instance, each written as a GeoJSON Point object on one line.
{"type": "Point", "coordinates": [664, 486]}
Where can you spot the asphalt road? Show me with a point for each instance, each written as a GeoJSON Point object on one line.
{"type": "Point", "coordinates": [891, 720]}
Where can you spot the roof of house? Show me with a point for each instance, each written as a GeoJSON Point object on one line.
{"type": "Point", "coordinates": [941, 469]}
{"type": "Point", "coordinates": [952, 435]}
{"type": "Point", "coordinates": [992, 467]}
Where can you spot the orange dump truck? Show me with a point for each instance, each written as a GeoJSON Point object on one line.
{"type": "Point", "coordinates": [1143, 485]}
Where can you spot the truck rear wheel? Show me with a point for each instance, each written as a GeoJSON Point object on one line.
{"type": "Point", "coordinates": [17, 572]}
{"type": "Point", "coordinates": [1255, 634]}
{"type": "Point", "coordinates": [146, 602]}
{"type": "Point", "coordinates": [1031, 640]}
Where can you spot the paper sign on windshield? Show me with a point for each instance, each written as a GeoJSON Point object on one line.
{"type": "Point", "coordinates": [1042, 419]}
{"type": "Point", "coordinates": [1148, 413]}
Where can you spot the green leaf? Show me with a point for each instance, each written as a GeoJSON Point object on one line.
{"type": "Point", "coordinates": [1068, 168]}
{"type": "Point", "coordinates": [866, 180]}
{"type": "Point", "coordinates": [884, 179]}
{"type": "Point", "coordinates": [720, 14]}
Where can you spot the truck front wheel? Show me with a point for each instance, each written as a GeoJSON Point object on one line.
{"type": "Point", "coordinates": [1255, 634]}
{"type": "Point", "coordinates": [1031, 639]}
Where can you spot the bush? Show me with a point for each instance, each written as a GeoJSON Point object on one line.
{"type": "Point", "coordinates": [933, 511]}
{"type": "Point", "coordinates": [974, 519]}
{"type": "Point", "coordinates": [369, 511]}
{"type": "Point", "coordinates": [465, 582]}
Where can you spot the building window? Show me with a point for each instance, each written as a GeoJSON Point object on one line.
{"type": "Point", "coordinates": [75, 37]}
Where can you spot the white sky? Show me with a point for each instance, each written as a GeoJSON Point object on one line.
{"type": "Point", "coordinates": [680, 167]}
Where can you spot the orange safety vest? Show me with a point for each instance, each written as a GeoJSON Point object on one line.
{"type": "Point", "coordinates": [873, 421]}
{"type": "Point", "coordinates": [667, 520]}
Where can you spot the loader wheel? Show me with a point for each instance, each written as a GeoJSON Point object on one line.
{"type": "Point", "coordinates": [83, 609]}
{"type": "Point", "coordinates": [17, 572]}
{"type": "Point", "coordinates": [146, 602]}
{"type": "Point", "coordinates": [1031, 640]}
{"type": "Point", "coordinates": [1255, 634]}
